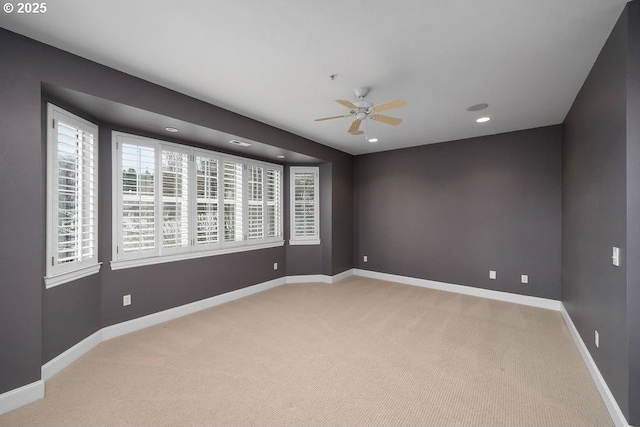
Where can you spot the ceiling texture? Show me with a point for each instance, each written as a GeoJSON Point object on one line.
{"type": "Point", "coordinates": [271, 60]}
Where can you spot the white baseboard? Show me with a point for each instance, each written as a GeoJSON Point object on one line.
{"type": "Point", "coordinates": [614, 410]}
{"type": "Point", "coordinates": [173, 313]}
{"type": "Point", "coordinates": [65, 359]}
{"type": "Point", "coordinates": [320, 278]}
{"type": "Point", "coordinates": [19, 397]}
{"type": "Point", "coordinates": [343, 275]}
{"type": "Point", "coordinates": [548, 304]}
{"type": "Point", "coordinates": [310, 278]}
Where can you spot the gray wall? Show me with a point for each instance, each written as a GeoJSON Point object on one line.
{"type": "Point", "coordinates": [73, 311]}
{"type": "Point", "coordinates": [21, 228]}
{"type": "Point", "coordinates": [451, 212]}
{"type": "Point", "coordinates": [633, 208]}
{"type": "Point", "coordinates": [601, 209]}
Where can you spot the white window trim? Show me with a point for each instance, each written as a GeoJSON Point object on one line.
{"type": "Point", "coordinates": [193, 251]}
{"type": "Point", "coordinates": [58, 275]}
{"type": "Point", "coordinates": [304, 240]}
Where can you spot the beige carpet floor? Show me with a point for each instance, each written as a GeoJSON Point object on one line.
{"type": "Point", "coordinates": [361, 352]}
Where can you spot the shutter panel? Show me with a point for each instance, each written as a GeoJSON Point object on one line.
{"type": "Point", "coordinates": [206, 201]}
{"type": "Point", "coordinates": [138, 199]}
{"type": "Point", "coordinates": [274, 209]}
{"type": "Point", "coordinates": [233, 212]}
{"type": "Point", "coordinates": [75, 193]}
{"type": "Point", "coordinates": [175, 199]}
{"type": "Point", "coordinates": [305, 204]}
{"type": "Point", "coordinates": [255, 201]}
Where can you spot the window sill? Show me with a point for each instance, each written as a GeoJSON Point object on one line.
{"type": "Point", "coordinates": [119, 265]}
{"type": "Point", "coordinates": [304, 242]}
{"type": "Point", "coordinates": [59, 279]}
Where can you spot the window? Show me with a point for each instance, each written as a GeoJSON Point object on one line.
{"type": "Point", "coordinates": [305, 224]}
{"type": "Point", "coordinates": [72, 197]}
{"type": "Point", "coordinates": [172, 202]}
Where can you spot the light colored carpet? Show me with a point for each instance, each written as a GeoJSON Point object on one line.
{"type": "Point", "coordinates": [361, 352]}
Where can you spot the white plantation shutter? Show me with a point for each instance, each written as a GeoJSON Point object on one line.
{"type": "Point", "coordinates": [207, 210]}
{"type": "Point", "coordinates": [255, 201]}
{"type": "Point", "coordinates": [72, 197]}
{"type": "Point", "coordinates": [233, 213]}
{"type": "Point", "coordinates": [137, 175]}
{"type": "Point", "coordinates": [305, 227]}
{"type": "Point", "coordinates": [175, 200]}
{"type": "Point", "coordinates": [274, 204]}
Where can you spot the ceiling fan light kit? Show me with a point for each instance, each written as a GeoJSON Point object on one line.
{"type": "Point", "coordinates": [362, 110]}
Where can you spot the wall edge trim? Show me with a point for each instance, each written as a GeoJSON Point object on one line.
{"type": "Point", "coordinates": [18, 397]}
{"type": "Point", "coordinates": [610, 402]}
{"type": "Point", "coordinates": [545, 303]}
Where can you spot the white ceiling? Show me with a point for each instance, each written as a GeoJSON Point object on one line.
{"type": "Point", "coordinates": [271, 59]}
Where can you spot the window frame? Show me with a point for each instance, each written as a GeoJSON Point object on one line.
{"type": "Point", "coordinates": [304, 240]}
{"type": "Point", "coordinates": [59, 274]}
{"type": "Point", "coordinates": [193, 250]}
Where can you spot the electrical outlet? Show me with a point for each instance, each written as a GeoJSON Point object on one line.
{"type": "Point", "coordinates": [597, 339]}
{"type": "Point", "coordinates": [492, 274]}
{"type": "Point", "coordinates": [365, 258]}
{"type": "Point", "coordinates": [275, 265]}
{"type": "Point", "coordinates": [524, 278]}
{"type": "Point", "coordinates": [126, 300]}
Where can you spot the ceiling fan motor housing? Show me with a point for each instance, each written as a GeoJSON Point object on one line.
{"type": "Point", "coordinates": [361, 92]}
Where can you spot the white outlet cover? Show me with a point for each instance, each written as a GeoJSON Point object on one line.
{"type": "Point", "coordinates": [616, 257]}
{"type": "Point", "coordinates": [597, 339]}
{"type": "Point", "coordinates": [365, 258]}
{"type": "Point", "coordinates": [492, 274]}
{"type": "Point", "coordinates": [126, 300]}
{"type": "Point", "coordinates": [275, 265]}
{"type": "Point", "coordinates": [524, 278]}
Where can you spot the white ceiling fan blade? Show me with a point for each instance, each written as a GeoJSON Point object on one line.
{"type": "Point", "coordinates": [333, 117]}
{"type": "Point", "coordinates": [389, 105]}
{"type": "Point", "coordinates": [394, 121]}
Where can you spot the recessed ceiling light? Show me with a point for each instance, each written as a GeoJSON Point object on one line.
{"type": "Point", "coordinates": [280, 157]}
{"type": "Point", "coordinates": [170, 129]}
{"type": "Point", "coordinates": [483, 119]}
{"type": "Point", "coordinates": [373, 139]}
{"type": "Point", "coordinates": [240, 143]}
{"type": "Point", "coordinates": [477, 107]}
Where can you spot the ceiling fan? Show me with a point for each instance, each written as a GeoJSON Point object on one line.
{"type": "Point", "coordinates": [362, 110]}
